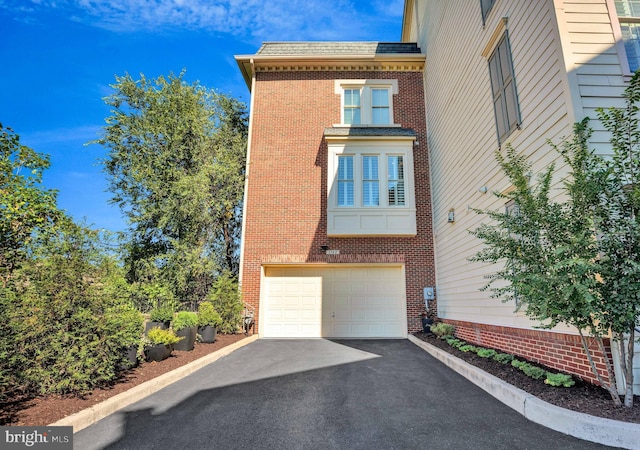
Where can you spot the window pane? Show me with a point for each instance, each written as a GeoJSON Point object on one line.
{"type": "Point", "coordinates": [370, 184]}
{"type": "Point", "coordinates": [380, 97]}
{"type": "Point", "coordinates": [351, 97]}
{"type": "Point", "coordinates": [351, 106]}
{"type": "Point", "coordinates": [352, 116]}
{"type": "Point", "coordinates": [627, 8]}
{"type": "Point", "coordinates": [345, 181]}
{"type": "Point", "coordinates": [395, 177]}
{"type": "Point", "coordinates": [631, 39]}
{"type": "Point", "coordinates": [380, 116]}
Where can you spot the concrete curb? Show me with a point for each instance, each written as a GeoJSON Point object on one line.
{"type": "Point", "coordinates": [89, 416]}
{"type": "Point", "coordinates": [583, 426]}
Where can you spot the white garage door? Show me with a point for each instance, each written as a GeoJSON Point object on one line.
{"type": "Point", "coordinates": [341, 302]}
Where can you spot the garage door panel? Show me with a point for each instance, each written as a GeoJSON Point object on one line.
{"type": "Point", "coordinates": [344, 302]}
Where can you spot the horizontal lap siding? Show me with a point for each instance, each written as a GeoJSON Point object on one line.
{"type": "Point", "coordinates": [462, 135]}
{"type": "Point", "coordinates": [594, 61]}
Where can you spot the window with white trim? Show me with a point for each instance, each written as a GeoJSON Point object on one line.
{"type": "Point", "coordinates": [370, 187]}
{"type": "Point", "coordinates": [345, 180]}
{"type": "Point", "coordinates": [503, 87]}
{"type": "Point", "coordinates": [367, 102]}
{"type": "Point", "coordinates": [395, 180]}
{"type": "Point", "coordinates": [359, 184]}
{"type": "Point", "coordinates": [628, 12]}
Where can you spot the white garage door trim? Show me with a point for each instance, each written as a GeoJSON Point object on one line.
{"type": "Point", "coordinates": [333, 301]}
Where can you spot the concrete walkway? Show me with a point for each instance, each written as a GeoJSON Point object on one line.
{"type": "Point", "coordinates": [307, 394]}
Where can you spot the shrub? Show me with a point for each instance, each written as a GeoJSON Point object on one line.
{"type": "Point", "coordinates": [534, 372]}
{"type": "Point", "coordinates": [225, 297]}
{"type": "Point", "coordinates": [163, 313]}
{"type": "Point", "coordinates": [70, 325]}
{"type": "Point", "coordinates": [559, 379]}
{"type": "Point", "coordinates": [157, 336]}
{"type": "Point", "coordinates": [486, 352]}
{"type": "Point", "coordinates": [503, 358]}
{"type": "Point", "coordinates": [517, 363]}
{"type": "Point", "coordinates": [207, 315]}
{"type": "Point", "coordinates": [442, 329]}
{"type": "Point", "coordinates": [185, 319]}
{"type": "Point", "coordinates": [468, 348]}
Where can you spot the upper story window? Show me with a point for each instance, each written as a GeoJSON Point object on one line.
{"type": "Point", "coordinates": [485, 6]}
{"type": "Point", "coordinates": [628, 12]}
{"type": "Point", "coordinates": [367, 102]}
{"type": "Point", "coordinates": [370, 186]}
{"type": "Point", "coordinates": [359, 183]}
{"type": "Point", "coordinates": [503, 87]}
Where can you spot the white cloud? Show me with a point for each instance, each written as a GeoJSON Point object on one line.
{"type": "Point", "coordinates": [257, 19]}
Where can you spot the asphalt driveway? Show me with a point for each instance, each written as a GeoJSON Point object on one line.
{"type": "Point", "coordinates": [321, 394]}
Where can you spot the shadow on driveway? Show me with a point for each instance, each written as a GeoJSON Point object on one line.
{"type": "Point", "coordinates": [322, 394]}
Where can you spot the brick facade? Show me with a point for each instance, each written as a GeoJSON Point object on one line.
{"type": "Point", "coordinates": [286, 199]}
{"type": "Point", "coordinates": [561, 351]}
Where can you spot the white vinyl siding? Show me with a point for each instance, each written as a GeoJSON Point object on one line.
{"type": "Point", "coordinates": [462, 136]}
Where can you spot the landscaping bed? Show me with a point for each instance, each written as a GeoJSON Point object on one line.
{"type": "Point", "coordinates": [582, 397]}
{"type": "Point", "coordinates": [46, 410]}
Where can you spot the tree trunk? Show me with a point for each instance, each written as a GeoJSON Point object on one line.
{"type": "Point", "coordinates": [628, 368]}
{"type": "Point", "coordinates": [611, 385]}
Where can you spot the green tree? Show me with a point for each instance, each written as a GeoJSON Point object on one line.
{"type": "Point", "coordinates": [72, 319]}
{"type": "Point", "coordinates": [549, 249]}
{"type": "Point", "coordinates": [25, 206]}
{"type": "Point", "coordinates": [618, 223]}
{"type": "Point", "coordinates": [176, 168]}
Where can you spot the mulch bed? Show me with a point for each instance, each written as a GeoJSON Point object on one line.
{"type": "Point", "coordinates": [40, 411]}
{"type": "Point", "coordinates": [582, 397]}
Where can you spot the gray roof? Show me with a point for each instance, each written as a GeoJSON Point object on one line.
{"type": "Point", "coordinates": [336, 48]}
{"type": "Point", "coordinates": [369, 131]}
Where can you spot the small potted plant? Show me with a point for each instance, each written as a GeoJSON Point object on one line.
{"type": "Point", "coordinates": [185, 324]}
{"type": "Point", "coordinates": [160, 344]}
{"type": "Point", "coordinates": [160, 317]}
{"type": "Point", "coordinates": [208, 320]}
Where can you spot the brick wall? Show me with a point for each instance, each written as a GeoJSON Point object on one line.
{"type": "Point", "coordinates": [286, 207]}
{"type": "Point", "coordinates": [557, 350]}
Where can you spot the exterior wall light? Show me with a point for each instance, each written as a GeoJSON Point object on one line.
{"type": "Point", "coordinates": [451, 217]}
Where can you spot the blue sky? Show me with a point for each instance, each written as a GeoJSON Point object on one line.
{"type": "Point", "coordinates": [60, 56]}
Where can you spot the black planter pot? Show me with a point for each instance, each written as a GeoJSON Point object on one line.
{"type": "Point", "coordinates": [130, 358]}
{"type": "Point", "coordinates": [186, 344]}
{"type": "Point", "coordinates": [207, 334]}
{"type": "Point", "coordinates": [158, 352]}
{"type": "Point", "coordinates": [152, 324]}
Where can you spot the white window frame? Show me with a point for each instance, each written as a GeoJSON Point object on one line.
{"type": "Point", "coordinates": [361, 219]}
{"type": "Point", "coordinates": [617, 35]}
{"type": "Point", "coordinates": [366, 102]}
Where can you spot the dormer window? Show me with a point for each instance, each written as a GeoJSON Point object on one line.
{"type": "Point", "coordinates": [367, 102]}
